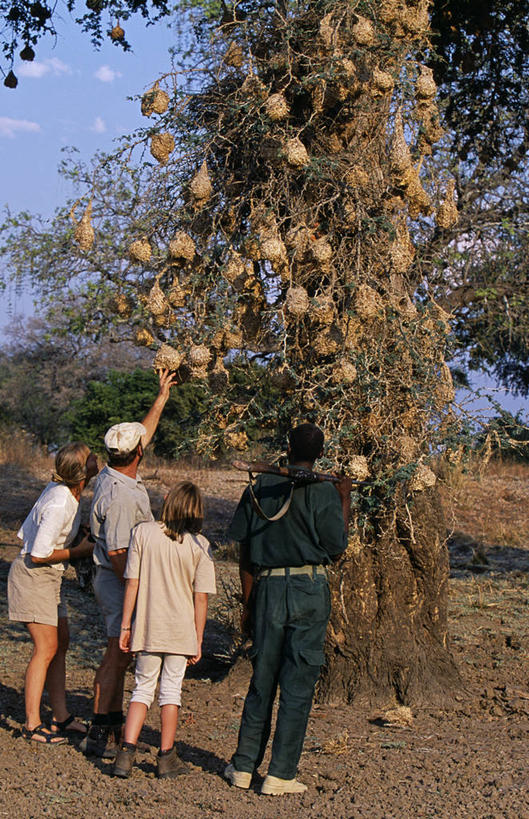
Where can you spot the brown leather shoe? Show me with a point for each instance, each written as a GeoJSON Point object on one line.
{"type": "Point", "coordinates": [124, 762]}
{"type": "Point", "coordinates": [99, 741]}
{"type": "Point", "coordinates": [170, 765]}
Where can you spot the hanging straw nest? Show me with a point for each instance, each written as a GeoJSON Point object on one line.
{"type": "Point", "coordinates": [363, 31]}
{"type": "Point", "coordinates": [235, 439]}
{"type": "Point", "coordinates": [358, 468]}
{"type": "Point", "coordinates": [276, 107]}
{"type": "Point", "coordinates": [143, 338]}
{"type": "Point", "coordinates": [201, 187]}
{"type": "Point", "coordinates": [273, 249]}
{"type": "Point", "coordinates": [167, 358]}
{"type": "Point", "coordinates": [140, 251]}
{"type": "Point", "coordinates": [117, 33]}
{"type": "Point", "coordinates": [162, 145]}
{"type": "Point", "coordinates": [407, 448]}
{"type": "Point", "coordinates": [418, 199]}
{"type": "Point", "coordinates": [317, 95]}
{"type": "Point", "coordinates": [444, 390]}
{"type": "Point", "coordinates": [382, 82]}
{"type": "Point", "coordinates": [236, 270]}
{"type": "Point", "coordinates": [343, 372]}
{"type": "Point", "coordinates": [122, 305]}
{"type": "Point", "coordinates": [297, 301]}
{"type": "Point", "coordinates": [182, 247]}
{"type": "Point", "coordinates": [327, 342]}
{"type": "Point", "coordinates": [253, 87]}
{"type": "Point", "coordinates": [402, 251]}
{"type": "Point", "coordinates": [399, 151]}
{"type": "Point", "coordinates": [176, 295]}
{"type": "Point", "coordinates": [297, 240]}
{"type": "Point", "coordinates": [322, 309]}
{"type": "Point", "coordinates": [425, 87]}
{"type": "Point", "coordinates": [367, 302]}
{"type": "Point", "coordinates": [199, 356]}
{"type": "Point", "coordinates": [416, 20]}
{"type": "Point", "coordinates": [234, 56]}
{"type": "Point", "coordinates": [389, 10]}
{"type": "Point", "coordinates": [357, 177]}
{"type": "Point", "coordinates": [84, 232]}
{"type": "Point", "coordinates": [321, 252]}
{"type": "Point", "coordinates": [218, 378]}
{"type": "Point", "coordinates": [154, 101]}
{"type": "Point", "coordinates": [349, 212]}
{"type": "Point", "coordinates": [423, 478]}
{"type": "Point", "coordinates": [296, 153]}
{"type": "Point", "coordinates": [326, 31]}
{"type": "Point", "coordinates": [233, 339]}
{"type": "Point", "coordinates": [156, 302]}
{"type": "Point", "coordinates": [447, 215]}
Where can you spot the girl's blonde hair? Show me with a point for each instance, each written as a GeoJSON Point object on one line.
{"type": "Point", "coordinates": [70, 464]}
{"type": "Point", "coordinates": [183, 510]}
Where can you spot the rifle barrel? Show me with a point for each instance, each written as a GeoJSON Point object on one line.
{"type": "Point", "coordinates": [291, 472]}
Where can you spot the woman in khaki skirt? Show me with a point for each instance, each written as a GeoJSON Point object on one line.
{"type": "Point", "coordinates": [34, 589]}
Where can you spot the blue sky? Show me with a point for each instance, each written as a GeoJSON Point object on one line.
{"type": "Point", "coordinates": [70, 95]}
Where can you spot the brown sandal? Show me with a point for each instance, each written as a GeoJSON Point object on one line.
{"type": "Point", "coordinates": [41, 731]}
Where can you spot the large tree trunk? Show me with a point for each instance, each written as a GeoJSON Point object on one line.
{"type": "Point", "coordinates": [387, 637]}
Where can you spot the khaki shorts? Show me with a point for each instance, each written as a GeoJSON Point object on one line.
{"type": "Point", "coordinates": [109, 592]}
{"type": "Point", "coordinates": [34, 593]}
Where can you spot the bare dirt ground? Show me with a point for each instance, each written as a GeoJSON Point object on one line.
{"type": "Point", "coordinates": [470, 760]}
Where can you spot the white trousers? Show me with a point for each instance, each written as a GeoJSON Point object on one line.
{"type": "Point", "coordinates": [148, 665]}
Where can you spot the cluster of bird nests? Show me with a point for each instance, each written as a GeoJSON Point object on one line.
{"type": "Point", "coordinates": [193, 362]}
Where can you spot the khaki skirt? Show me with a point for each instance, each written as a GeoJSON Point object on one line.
{"type": "Point", "coordinates": [34, 592]}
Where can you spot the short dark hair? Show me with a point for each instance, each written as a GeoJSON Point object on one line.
{"type": "Point", "coordinates": [122, 459]}
{"type": "Point", "coordinates": [306, 441]}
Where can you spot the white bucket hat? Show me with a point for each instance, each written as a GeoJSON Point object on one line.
{"type": "Point", "coordinates": [123, 438]}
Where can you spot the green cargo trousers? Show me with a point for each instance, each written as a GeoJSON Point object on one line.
{"type": "Point", "coordinates": [290, 620]}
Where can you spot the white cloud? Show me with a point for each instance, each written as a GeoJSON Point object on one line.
{"type": "Point", "coordinates": [37, 69]}
{"type": "Point", "coordinates": [98, 126]}
{"type": "Point", "coordinates": [9, 127]}
{"type": "Point", "coordinates": [106, 74]}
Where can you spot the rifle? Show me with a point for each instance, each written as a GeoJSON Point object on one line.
{"type": "Point", "coordinates": [297, 474]}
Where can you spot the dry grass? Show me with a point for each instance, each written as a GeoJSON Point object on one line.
{"type": "Point", "coordinates": [491, 508]}
{"type": "Point", "coordinates": [19, 449]}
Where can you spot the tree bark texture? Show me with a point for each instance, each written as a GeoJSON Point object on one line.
{"type": "Point", "coordinates": [387, 637]}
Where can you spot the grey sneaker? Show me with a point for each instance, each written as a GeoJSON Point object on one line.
{"type": "Point", "coordinates": [124, 762]}
{"type": "Point", "coordinates": [99, 741]}
{"type": "Point", "coordinates": [274, 786]}
{"type": "Point", "coordinates": [170, 765]}
{"type": "Point", "coordinates": [241, 779]}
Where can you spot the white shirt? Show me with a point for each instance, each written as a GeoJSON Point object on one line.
{"type": "Point", "coordinates": [52, 523]}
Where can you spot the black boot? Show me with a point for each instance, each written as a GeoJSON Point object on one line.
{"type": "Point", "coordinates": [100, 741]}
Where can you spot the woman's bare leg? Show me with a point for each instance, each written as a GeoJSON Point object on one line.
{"type": "Point", "coordinates": [56, 676]}
{"type": "Point", "coordinates": [45, 642]}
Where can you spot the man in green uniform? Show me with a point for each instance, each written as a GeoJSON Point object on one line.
{"type": "Point", "coordinates": [286, 597]}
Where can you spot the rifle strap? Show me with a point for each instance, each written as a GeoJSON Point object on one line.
{"type": "Point", "coordinates": [257, 506]}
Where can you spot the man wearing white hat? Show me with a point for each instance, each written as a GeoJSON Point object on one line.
{"type": "Point", "coordinates": [120, 502]}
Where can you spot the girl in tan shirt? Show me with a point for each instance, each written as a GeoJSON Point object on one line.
{"type": "Point", "coordinates": [169, 575]}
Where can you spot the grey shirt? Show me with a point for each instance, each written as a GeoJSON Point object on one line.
{"type": "Point", "coordinates": [119, 504]}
